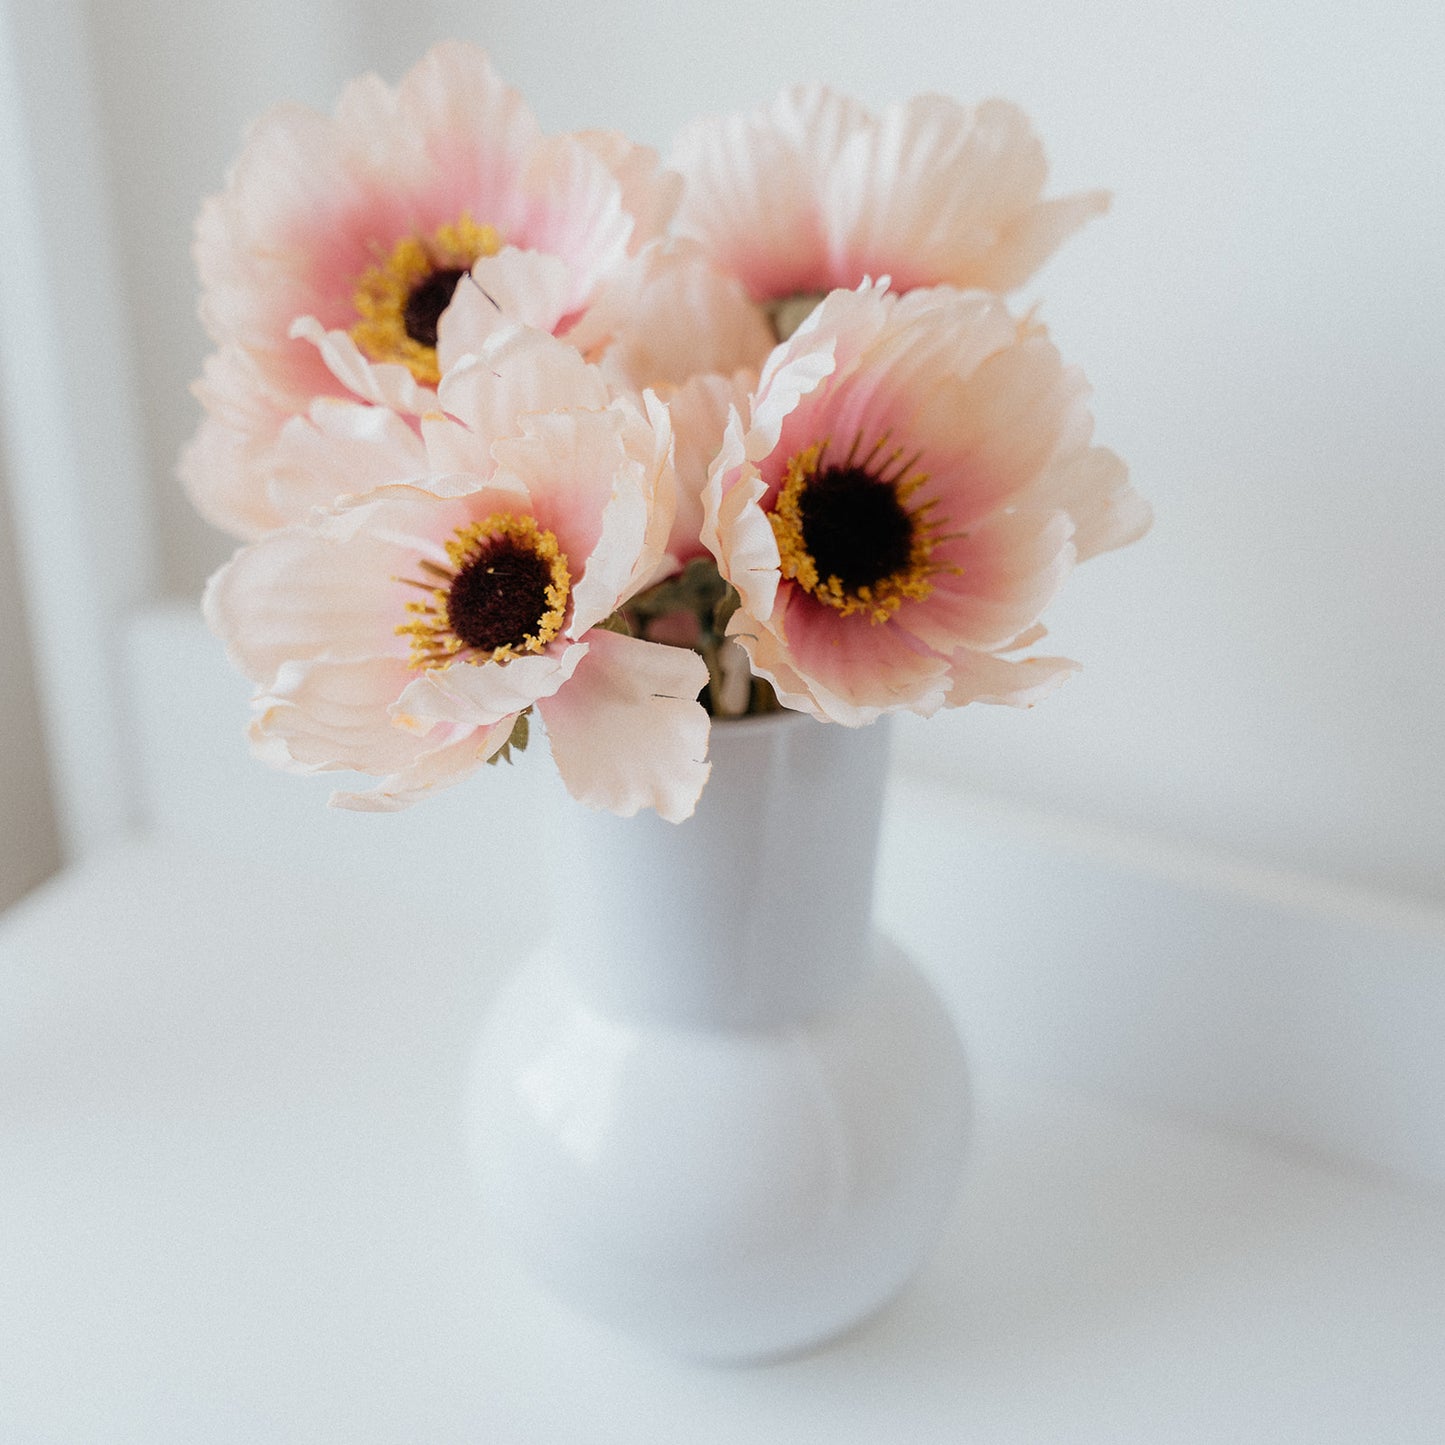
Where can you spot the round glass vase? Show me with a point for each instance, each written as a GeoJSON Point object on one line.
{"type": "Point", "coordinates": [716, 1110]}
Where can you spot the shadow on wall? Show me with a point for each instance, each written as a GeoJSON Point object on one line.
{"type": "Point", "coordinates": [29, 845]}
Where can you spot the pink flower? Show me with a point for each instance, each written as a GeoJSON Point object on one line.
{"type": "Point", "coordinates": [816, 192]}
{"type": "Point", "coordinates": [913, 484]}
{"type": "Point", "coordinates": [332, 255]}
{"type": "Point", "coordinates": [404, 631]}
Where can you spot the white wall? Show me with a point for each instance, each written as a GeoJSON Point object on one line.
{"type": "Point", "coordinates": [1260, 315]}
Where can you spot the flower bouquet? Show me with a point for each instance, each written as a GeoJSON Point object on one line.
{"type": "Point", "coordinates": [525, 429]}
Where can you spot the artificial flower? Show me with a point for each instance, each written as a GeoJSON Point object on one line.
{"type": "Point", "coordinates": [816, 192]}
{"type": "Point", "coordinates": [409, 630]}
{"type": "Point", "coordinates": [339, 242]}
{"type": "Point", "coordinates": [913, 482]}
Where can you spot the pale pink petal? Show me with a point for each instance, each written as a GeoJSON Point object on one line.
{"type": "Point", "coordinates": [650, 194]}
{"type": "Point", "coordinates": [512, 288]}
{"type": "Point", "coordinates": [855, 668]}
{"type": "Point", "coordinates": [752, 188]}
{"type": "Point", "coordinates": [648, 437]}
{"type": "Point", "coordinates": [927, 192]}
{"type": "Point", "coordinates": [331, 590]}
{"type": "Point", "coordinates": [329, 715]}
{"type": "Point", "coordinates": [456, 450]}
{"type": "Point", "coordinates": [768, 657]}
{"type": "Point", "coordinates": [1026, 638]}
{"type": "Point", "coordinates": [221, 470]}
{"type": "Point", "coordinates": [592, 494]}
{"type": "Point", "coordinates": [1093, 487]}
{"type": "Point", "coordinates": [1010, 567]}
{"type": "Point", "coordinates": [627, 731]}
{"type": "Point", "coordinates": [987, 437]}
{"type": "Point", "coordinates": [340, 444]}
{"type": "Point", "coordinates": [736, 530]}
{"type": "Point", "coordinates": [481, 695]}
{"type": "Point", "coordinates": [477, 132]}
{"type": "Point", "coordinates": [1014, 682]}
{"type": "Point", "coordinates": [437, 768]}
{"type": "Point", "coordinates": [668, 315]}
{"type": "Point", "coordinates": [225, 466]}
{"type": "Point", "coordinates": [699, 410]}
{"type": "Point", "coordinates": [573, 208]}
{"type": "Point", "coordinates": [520, 372]}
{"type": "Point", "coordinates": [816, 193]}
{"type": "Point", "coordinates": [1031, 237]}
{"type": "Point", "coordinates": [792, 373]}
{"type": "Point", "coordinates": [381, 383]}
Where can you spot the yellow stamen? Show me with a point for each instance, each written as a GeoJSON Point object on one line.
{"type": "Point", "coordinates": [881, 598]}
{"type": "Point", "coordinates": [440, 626]}
{"type": "Point", "coordinates": [383, 292]}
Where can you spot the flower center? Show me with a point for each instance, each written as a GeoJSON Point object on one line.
{"type": "Point", "coordinates": [399, 302]}
{"type": "Point", "coordinates": [423, 310]}
{"type": "Point", "coordinates": [846, 535]}
{"type": "Point", "coordinates": [504, 594]}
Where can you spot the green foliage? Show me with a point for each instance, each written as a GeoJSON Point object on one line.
{"type": "Point", "coordinates": [516, 742]}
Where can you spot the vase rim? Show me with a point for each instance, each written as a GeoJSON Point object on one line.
{"type": "Point", "coordinates": [761, 722]}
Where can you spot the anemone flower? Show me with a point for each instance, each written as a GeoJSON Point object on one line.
{"type": "Point", "coordinates": [333, 253]}
{"type": "Point", "coordinates": [410, 629]}
{"type": "Point", "coordinates": [913, 483]}
{"type": "Point", "coordinates": [815, 192]}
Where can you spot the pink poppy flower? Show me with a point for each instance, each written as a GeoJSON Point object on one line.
{"type": "Point", "coordinates": [913, 483]}
{"type": "Point", "coordinates": [405, 631]}
{"type": "Point", "coordinates": [816, 192]}
{"type": "Point", "coordinates": [337, 246]}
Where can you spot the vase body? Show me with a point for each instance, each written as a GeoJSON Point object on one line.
{"type": "Point", "coordinates": [716, 1110]}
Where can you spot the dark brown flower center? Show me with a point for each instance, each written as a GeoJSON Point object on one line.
{"type": "Point", "coordinates": [855, 527]}
{"type": "Point", "coordinates": [500, 596]}
{"type": "Point", "coordinates": [426, 302]}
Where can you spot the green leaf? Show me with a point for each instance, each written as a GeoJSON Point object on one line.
{"type": "Point", "coordinates": [516, 741]}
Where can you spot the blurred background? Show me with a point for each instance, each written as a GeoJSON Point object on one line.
{"type": "Point", "coordinates": [1260, 314]}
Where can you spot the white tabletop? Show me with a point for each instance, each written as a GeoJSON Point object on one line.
{"type": "Point", "coordinates": [233, 1208]}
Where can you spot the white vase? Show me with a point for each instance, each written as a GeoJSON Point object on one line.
{"type": "Point", "coordinates": [716, 1111]}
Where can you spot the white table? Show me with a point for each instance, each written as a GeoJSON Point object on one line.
{"type": "Point", "coordinates": [233, 1208]}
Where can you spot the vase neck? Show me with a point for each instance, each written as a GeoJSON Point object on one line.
{"type": "Point", "coordinates": [755, 912]}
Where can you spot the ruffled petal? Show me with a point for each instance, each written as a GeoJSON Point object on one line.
{"type": "Point", "coordinates": [816, 193]}
{"type": "Point", "coordinates": [1014, 682]}
{"type": "Point", "coordinates": [1009, 568]}
{"type": "Point", "coordinates": [735, 528]}
{"type": "Point", "coordinates": [224, 468]}
{"type": "Point", "coordinates": [481, 695]}
{"type": "Point", "coordinates": [476, 131]}
{"type": "Point", "coordinates": [439, 767]}
{"type": "Point", "coordinates": [341, 448]}
{"type": "Point", "coordinates": [986, 439]}
{"type": "Point", "coordinates": [520, 372]}
{"type": "Point", "coordinates": [1093, 487]}
{"type": "Point", "coordinates": [667, 316]}
{"type": "Point", "coordinates": [627, 732]}
{"type": "Point", "coordinates": [381, 383]}
{"type": "Point", "coordinates": [601, 482]}
{"type": "Point", "coordinates": [333, 590]}
{"type": "Point", "coordinates": [854, 669]}
{"type": "Point", "coordinates": [324, 716]}
{"type": "Point", "coordinates": [512, 288]}
{"type": "Point", "coordinates": [752, 188]}
{"type": "Point", "coordinates": [699, 410]}
{"type": "Point", "coordinates": [650, 194]}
